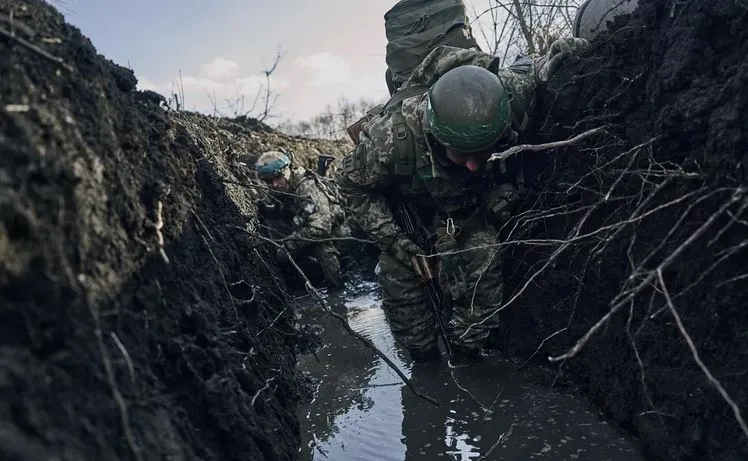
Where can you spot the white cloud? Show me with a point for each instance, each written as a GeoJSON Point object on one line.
{"type": "Point", "coordinates": [329, 68]}
{"type": "Point", "coordinates": [219, 88]}
{"type": "Point", "coordinates": [220, 69]}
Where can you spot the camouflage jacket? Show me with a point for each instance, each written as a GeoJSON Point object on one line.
{"type": "Point", "coordinates": [376, 167]}
{"type": "Point", "coordinates": [310, 206]}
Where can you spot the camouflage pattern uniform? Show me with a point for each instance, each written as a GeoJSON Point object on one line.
{"type": "Point", "coordinates": [469, 266]}
{"type": "Point", "coordinates": [314, 213]}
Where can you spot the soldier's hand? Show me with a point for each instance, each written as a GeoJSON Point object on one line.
{"type": "Point", "coordinates": [560, 50]}
{"type": "Point", "coordinates": [499, 202]}
{"type": "Point", "coordinates": [403, 249]}
{"type": "Point", "coordinates": [568, 46]}
{"type": "Point", "coordinates": [292, 242]}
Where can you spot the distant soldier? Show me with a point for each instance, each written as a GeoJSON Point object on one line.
{"type": "Point", "coordinates": [311, 210]}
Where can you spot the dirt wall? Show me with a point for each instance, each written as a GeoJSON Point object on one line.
{"type": "Point", "coordinates": [138, 319]}
{"type": "Point", "coordinates": [644, 226]}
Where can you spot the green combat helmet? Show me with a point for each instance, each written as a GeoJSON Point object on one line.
{"type": "Point", "coordinates": [468, 109]}
{"type": "Point", "coordinates": [593, 16]}
{"type": "Point", "coordinates": [272, 164]}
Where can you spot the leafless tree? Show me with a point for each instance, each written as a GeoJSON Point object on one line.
{"type": "Point", "coordinates": [263, 103]}
{"type": "Point", "coordinates": [331, 123]}
{"type": "Point", "coordinates": [511, 27]}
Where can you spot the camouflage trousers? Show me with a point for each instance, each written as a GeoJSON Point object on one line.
{"type": "Point", "coordinates": [469, 269]}
{"type": "Point", "coordinates": [327, 257]}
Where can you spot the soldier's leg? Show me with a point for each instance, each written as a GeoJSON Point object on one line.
{"type": "Point", "coordinates": [472, 277]}
{"type": "Point", "coordinates": [404, 303]}
{"type": "Point", "coordinates": [329, 261]}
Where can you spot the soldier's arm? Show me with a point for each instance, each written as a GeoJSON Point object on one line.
{"type": "Point", "coordinates": [314, 219]}
{"type": "Point", "coordinates": [522, 82]}
{"type": "Point", "coordinates": [526, 75]}
{"type": "Point", "coordinates": [364, 175]}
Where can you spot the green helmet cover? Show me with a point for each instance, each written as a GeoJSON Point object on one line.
{"type": "Point", "coordinates": [468, 109]}
{"type": "Point", "coordinates": [271, 164]}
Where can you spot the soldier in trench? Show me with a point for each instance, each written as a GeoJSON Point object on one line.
{"type": "Point", "coordinates": [430, 150]}
{"type": "Point", "coordinates": [309, 208]}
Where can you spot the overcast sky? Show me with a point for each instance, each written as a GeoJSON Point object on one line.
{"type": "Point", "coordinates": [332, 48]}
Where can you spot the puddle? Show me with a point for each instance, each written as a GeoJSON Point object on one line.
{"type": "Point", "coordinates": [362, 411]}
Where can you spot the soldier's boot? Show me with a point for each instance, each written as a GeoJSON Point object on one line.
{"type": "Point", "coordinates": [465, 351]}
{"type": "Point", "coordinates": [429, 354]}
{"type": "Point", "coordinates": [327, 257]}
{"type": "Point", "coordinates": [332, 275]}
{"type": "Point", "coordinates": [463, 356]}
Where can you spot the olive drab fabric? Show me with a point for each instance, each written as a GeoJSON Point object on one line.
{"type": "Point", "coordinates": [415, 27]}
{"type": "Point", "coordinates": [457, 203]}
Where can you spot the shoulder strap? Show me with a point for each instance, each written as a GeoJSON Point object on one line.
{"type": "Point", "coordinates": [403, 94]}
{"type": "Point", "coordinates": [404, 144]}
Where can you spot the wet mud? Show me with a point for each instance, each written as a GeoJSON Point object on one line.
{"type": "Point", "coordinates": [361, 410]}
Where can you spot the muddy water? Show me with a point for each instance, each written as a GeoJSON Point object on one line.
{"type": "Point", "coordinates": [362, 411]}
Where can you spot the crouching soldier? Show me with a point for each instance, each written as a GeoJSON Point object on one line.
{"type": "Point", "coordinates": [310, 209]}
{"type": "Point", "coordinates": [428, 150]}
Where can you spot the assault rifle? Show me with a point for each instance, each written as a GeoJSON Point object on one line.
{"type": "Point", "coordinates": [408, 222]}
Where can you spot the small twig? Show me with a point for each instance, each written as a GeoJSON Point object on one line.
{"type": "Point", "coordinates": [370, 386]}
{"type": "Point", "coordinates": [469, 394]}
{"type": "Point", "coordinates": [272, 323]}
{"type": "Point", "coordinates": [218, 266]}
{"type": "Point", "coordinates": [344, 323]}
{"type": "Point", "coordinates": [625, 297]}
{"type": "Point", "coordinates": [522, 366]}
{"type": "Point", "coordinates": [715, 382]}
{"type": "Point", "coordinates": [16, 25]}
{"type": "Point", "coordinates": [159, 235]}
{"type": "Point", "coordinates": [539, 147]}
{"type": "Point", "coordinates": [500, 441]}
{"type": "Point", "coordinates": [109, 371]}
{"type": "Point", "coordinates": [202, 224]}
{"type": "Point", "coordinates": [259, 186]}
{"type": "Point", "coordinates": [731, 280]}
{"type": "Point", "coordinates": [259, 391]}
{"type": "Point", "coordinates": [327, 239]}
{"type": "Point", "coordinates": [30, 46]}
{"type": "Point", "coordinates": [125, 354]}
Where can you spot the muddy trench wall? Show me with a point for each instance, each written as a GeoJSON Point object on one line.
{"type": "Point", "coordinates": [648, 222]}
{"type": "Point", "coordinates": [138, 320]}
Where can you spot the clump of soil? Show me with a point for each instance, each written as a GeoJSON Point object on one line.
{"type": "Point", "coordinates": [138, 317]}
{"type": "Point", "coordinates": [653, 214]}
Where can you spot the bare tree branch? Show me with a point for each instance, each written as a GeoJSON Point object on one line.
{"type": "Point", "coordinates": [344, 323]}
{"type": "Point", "coordinates": [692, 347]}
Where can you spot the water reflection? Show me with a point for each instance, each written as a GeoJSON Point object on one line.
{"type": "Point", "coordinates": [363, 412]}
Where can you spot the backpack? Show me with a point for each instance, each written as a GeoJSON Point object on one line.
{"type": "Point", "coordinates": [415, 27]}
